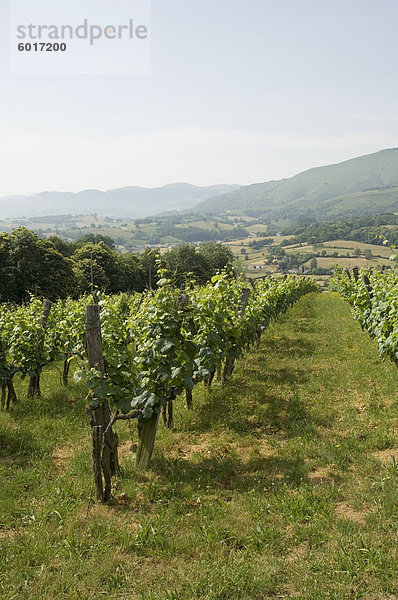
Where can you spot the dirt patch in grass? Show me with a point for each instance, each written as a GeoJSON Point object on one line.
{"type": "Point", "coordinates": [289, 591]}
{"type": "Point", "coordinates": [62, 455]}
{"type": "Point", "coordinates": [345, 511]}
{"type": "Point", "coordinates": [205, 447]}
{"type": "Point", "coordinates": [357, 400]}
{"type": "Point", "coordinates": [9, 534]}
{"type": "Point", "coordinates": [298, 553]}
{"type": "Point", "coordinates": [321, 476]}
{"type": "Point", "coordinates": [127, 450]}
{"type": "Point", "coordinates": [385, 456]}
{"type": "Point", "coordinates": [264, 448]}
{"type": "Point", "coordinates": [8, 460]}
{"type": "Point", "coordinates": [119, 511]}
{"type": "Point", "coordinates": [381, 596]}
{"type": "Point", "coordinates": [186, 450]}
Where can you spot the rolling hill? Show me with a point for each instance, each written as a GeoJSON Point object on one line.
{"type": "Point", "coordinates": [364, 185]}
{"type": "Point", "coordinates": [133, 202]}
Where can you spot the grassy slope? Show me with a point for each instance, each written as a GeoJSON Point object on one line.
{"type": "Point", "coordinates": [281, 485]}
{"type": "Point", "coordinates": [331, 191]}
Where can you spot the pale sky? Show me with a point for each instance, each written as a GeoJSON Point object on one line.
{"type": "Point", "coordinates": [241, 91]}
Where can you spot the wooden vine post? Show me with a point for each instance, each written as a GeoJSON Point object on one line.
{"type": "Point", "coordinates": [8, 393]}
{"type": "Point", "coordinates": [253, 286]}
{"type": "Point", "coordinates": [65, 372]}
{"type": "Point", "coordinates": [244, 300]}
{"type": "Point", "coordinates": [147, 429]}
{"type": "Point", "coordinates": [230, 361]}
{"type": "Point", "coordinates": [189, 398]}
{"type": "Point", "coordinates": [105, 440]}
{"type": "Point", "coordinates": [146, 440]}
{"type": "Point", "coordinates": [258, 332]}
{"type": "Point", "coordinates": [34, 380]}
{"type": "Point", "coordinates": [369, 288]}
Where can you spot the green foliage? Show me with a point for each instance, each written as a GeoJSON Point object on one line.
{"type": "Point", "coordinates": [154, 345]}
{"type": "Point", "coordinates": [174, 339]}
{"type": "Point", "coordinates": [108, 272]}
{"type": "Point", "coordinates": [94, 238]}
{"type": "Point", "coordinates": [52, 268]}
{"type": "Point", "coordinates": [8, 270]}
{"type": "Point", "coordinates": [63, 247]}
{"type": "Point", "coordinates": [374, 305]}
{"type": "Point", "coordinates": [219, 257]}
{"type": "Point", "coordinates": [185, 260]}
{"type": "Point", "coordinates": [38, 267]}
{"type": "Point", "coordinates": [20, 334]}
{"type": "Point", "coordinates": [367, 229]}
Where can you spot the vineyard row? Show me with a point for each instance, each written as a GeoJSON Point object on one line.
{"type": "Point", "coordinates": [138, 352]}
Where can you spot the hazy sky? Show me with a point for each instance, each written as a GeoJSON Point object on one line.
{"type": "Point", "coordinates": [241, 91]}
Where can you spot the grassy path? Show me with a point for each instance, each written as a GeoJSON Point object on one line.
{"type": "Point", "coordinates": [281, 485]}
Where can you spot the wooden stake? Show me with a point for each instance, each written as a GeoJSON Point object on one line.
{"type": "Point", "coordinates": [97, 469]}
{"type": "Point", "coordinates": [188, 397]}
{"type": "Point", "coordinates": [93, 338]}
{"type": "Point", "coordinates": [146, 435]}
{"type": "Point", "coordinates": [65, 373]}
{"type": "Point", "coordinates": [34, 380]}
{"type": "Point", "coordinates": [109, 461]}
{"type": "Point", "coordinates": [3, 394]}
{"type": "Point", "coordinates": [230, 361]}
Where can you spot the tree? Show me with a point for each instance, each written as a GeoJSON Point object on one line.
{"type": "Point", "coordinates": [39, 268]}
{"type": "Point", "coordinates": [313, 264]}
{"type": "Point", "coordinates": [56, 278]}
{"type": "Point", "coordinates": [63, 247]}
{"type": "Point", "coordinates": [89, 274]}
{"type": "Point", "coordinates": [148, 262]}
{"type": "Point", "coordinates": [26, 259]}
{"type": "Point", "coordinates": [110, 277]}
{"type": "Point", "coordinates": [8, 288]}
{"type": "Point", "coordinates": [133, 272]}
{"type": "Point", "coordinates": [95, 238]}
{"type": "Point", "coordinates": [184, 260]}
{"type": "Point", "coordinates": [368, 254]}
{"type": "Point", "coordinates": [218, 256]}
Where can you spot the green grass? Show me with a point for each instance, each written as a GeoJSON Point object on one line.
{"type": "Point", "coordinates": [281, 485]}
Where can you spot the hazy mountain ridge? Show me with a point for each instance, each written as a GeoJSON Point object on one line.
{"type": "Point", "coordinates": [134, 202]}
{"type": "Point", "coordinates": [365, 184]}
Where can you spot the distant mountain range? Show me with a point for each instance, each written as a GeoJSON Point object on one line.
{"type": "Point", "coordinates": [364, 185]}
{"type": "Point", "coordinates": [360, 186]}
{"type": "Point", "coordinates": [134, 202]}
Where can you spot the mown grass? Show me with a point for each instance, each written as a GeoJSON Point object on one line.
{"type": "Point", "coordinates": [281, 485]}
